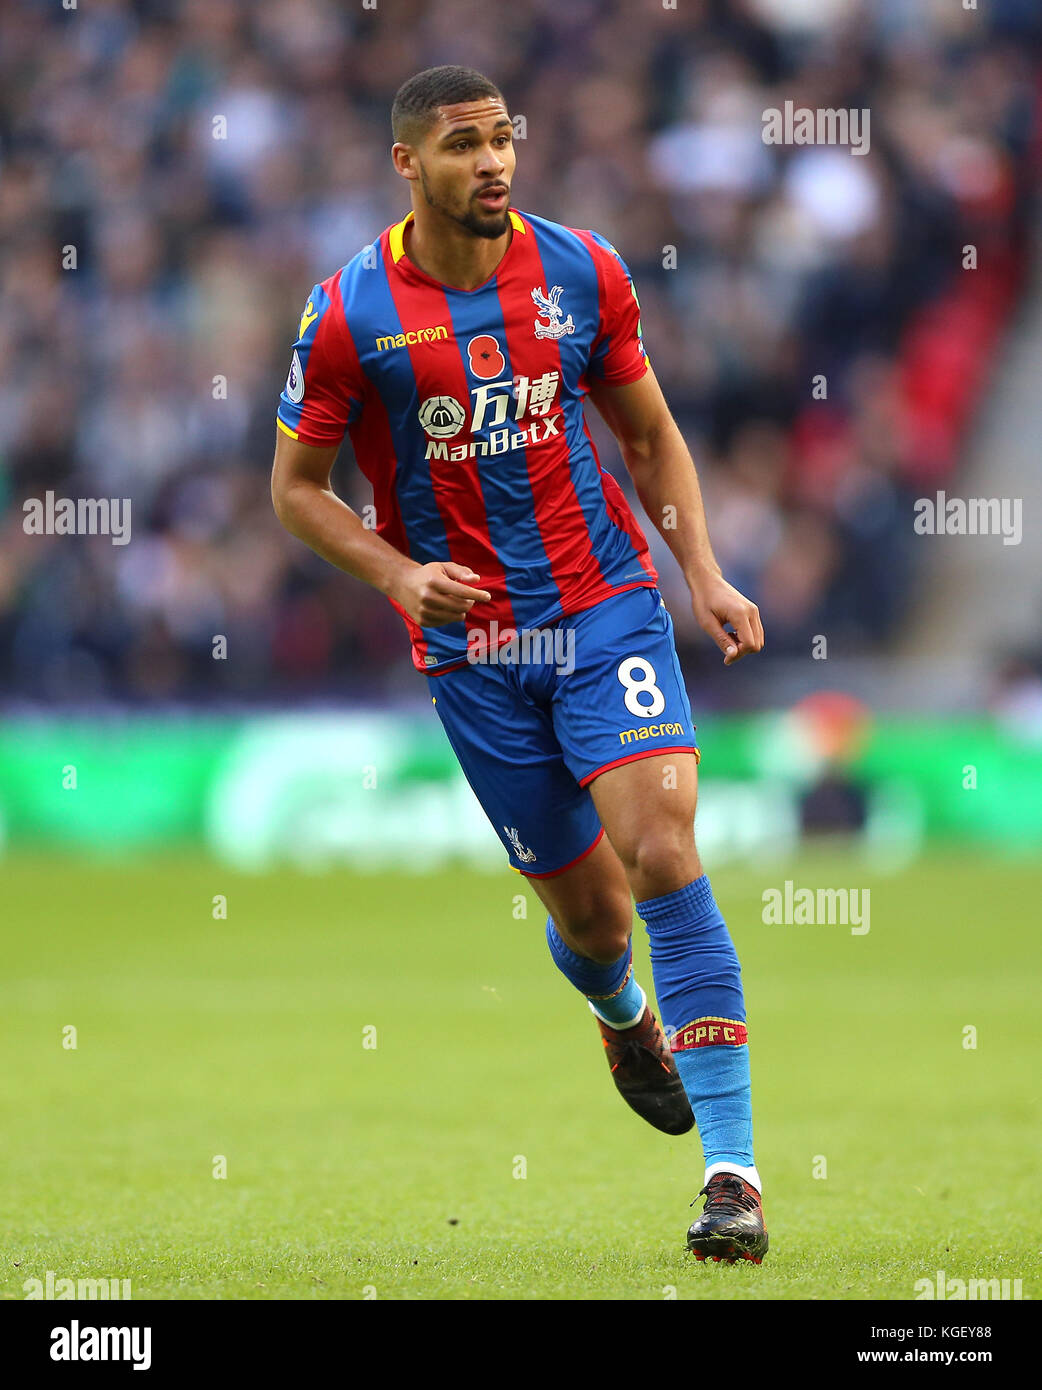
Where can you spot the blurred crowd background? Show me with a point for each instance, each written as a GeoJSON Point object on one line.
{"type": "Point", "coordinates": [759, 268]}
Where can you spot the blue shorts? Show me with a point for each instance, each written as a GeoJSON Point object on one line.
{"type": "Point", "coordinates": [534, 723]}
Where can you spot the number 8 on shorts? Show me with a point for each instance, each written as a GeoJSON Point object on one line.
{"type": "Point", "coordinates": [644, 686]}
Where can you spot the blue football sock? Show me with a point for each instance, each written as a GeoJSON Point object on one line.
{"type": "Point", "coordinates": [613, 993]}
{"type": "Point", "coordinates": [699, 986]}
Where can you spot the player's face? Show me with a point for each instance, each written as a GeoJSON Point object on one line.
{"type": "Point", "coordinates": [466, 163]}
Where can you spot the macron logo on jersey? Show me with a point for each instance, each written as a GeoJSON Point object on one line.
{"type": "Point", "coordinates": [419, 335]}
{"type": "Point", "coordinates": [307, 318]}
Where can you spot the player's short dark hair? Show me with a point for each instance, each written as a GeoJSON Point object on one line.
{"type": "Point", "coordinates": [416, 101]}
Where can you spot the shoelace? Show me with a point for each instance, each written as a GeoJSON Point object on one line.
{"type": "Point", "coordinates": [726, 1195]}
{"type": "Point", "coordinates": [631, 1052]}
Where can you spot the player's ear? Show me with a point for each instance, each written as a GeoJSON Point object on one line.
{"type": "Point", "coordinates": [403, 157]}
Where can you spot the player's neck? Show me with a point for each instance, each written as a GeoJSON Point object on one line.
{"type": "Point", "coordinates": [449, 253]}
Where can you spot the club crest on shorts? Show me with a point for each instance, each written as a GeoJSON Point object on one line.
{"type": "Point", "coordinates": [548, 306]}
{"type": "Point", "coordinates": [527, 856]}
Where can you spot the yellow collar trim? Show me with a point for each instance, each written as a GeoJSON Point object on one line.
{"type": "Point", "coordinates": [397, 233]}
{"type": "Point", "coordinates": [397, 238]}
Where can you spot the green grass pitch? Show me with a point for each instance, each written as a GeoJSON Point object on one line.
{"type": "Point", "coordinates": [393, 1171]}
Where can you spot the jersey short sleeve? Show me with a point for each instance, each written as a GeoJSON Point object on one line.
{"type": "Point", "coordinates": [618, 355]}
{"type": "Point", "coordinates": [323, 391]}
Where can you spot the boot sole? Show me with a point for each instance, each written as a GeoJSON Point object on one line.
{"type": "Point", "coordinates": [722, 1249]}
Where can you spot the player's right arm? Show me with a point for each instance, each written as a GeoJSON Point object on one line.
{"type": "Point", "coordinates": [301, 491]}
{"type": "Point", "coordinates": [324, 394]}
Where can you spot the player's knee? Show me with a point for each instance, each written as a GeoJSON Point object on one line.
{"type": "Point", "coordinates": [662, 860]}
{"type": "Point", "coordinates": [606, 949]}
{"type": "Point", "coordinates": [601, 932]}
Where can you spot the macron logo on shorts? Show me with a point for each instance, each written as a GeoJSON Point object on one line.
{"type": "Point", "coordinates": [650, 731]}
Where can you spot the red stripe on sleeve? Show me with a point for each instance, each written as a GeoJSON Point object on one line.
{"type": "Point", "coordinates": [625, 360]}
{"type": "Point", "coordinates": [332, 377]}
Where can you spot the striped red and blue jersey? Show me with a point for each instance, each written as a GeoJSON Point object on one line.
{"type": "Point", "coordinates": [465, 412]}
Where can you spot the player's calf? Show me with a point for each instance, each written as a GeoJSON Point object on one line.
{"type": "Point", "coordinates": [649, 819]}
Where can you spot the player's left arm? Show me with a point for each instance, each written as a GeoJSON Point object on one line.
{"type": "Point", "coordinates": [663, 472]}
